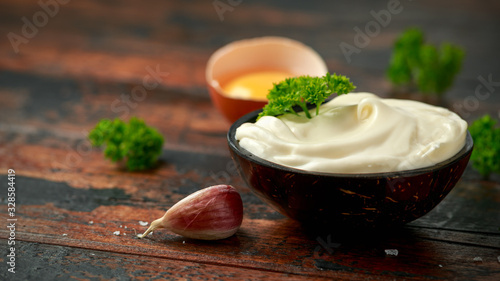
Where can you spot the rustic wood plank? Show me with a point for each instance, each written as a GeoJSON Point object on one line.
{"type": "Point", "coordinates": [282, 250]}
{"type": "Point", "coordinates": [49, 262]}
{"type": "Point", "coordinates": [67, 109]}
{"type": "Point", "coordinates": [184, 55]}
{"type": "Point", "coordinates": [77, 69]}
{"type": "Point", "coordinates": [66, 217]}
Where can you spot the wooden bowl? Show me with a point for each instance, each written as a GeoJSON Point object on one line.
{"type": "Point", "coordinates": [326, 200]}
{"type": "Point", "coordinates": [256, 54]}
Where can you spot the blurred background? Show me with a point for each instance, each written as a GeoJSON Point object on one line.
{"type": "Point", "coordinates": [65, 49]}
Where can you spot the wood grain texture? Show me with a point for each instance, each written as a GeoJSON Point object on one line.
{"type": "Point", "coordinates": [84, 64]}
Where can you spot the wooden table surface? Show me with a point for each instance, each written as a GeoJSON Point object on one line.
{"type": "Point", "coordinates": [65, 65]}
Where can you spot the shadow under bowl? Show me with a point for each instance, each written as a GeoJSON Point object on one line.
{"type": "Point", "coordinates": [332, 200]}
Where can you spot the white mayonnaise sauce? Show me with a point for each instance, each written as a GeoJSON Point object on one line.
{"type": "Point", "coordinates": [358, 133]}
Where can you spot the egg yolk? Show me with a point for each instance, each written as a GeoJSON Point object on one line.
{"type": "Point", "coordinates": [255, 85]}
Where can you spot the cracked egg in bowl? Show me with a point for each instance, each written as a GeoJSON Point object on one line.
{"type": "Point", "coordinates": [240, 73]}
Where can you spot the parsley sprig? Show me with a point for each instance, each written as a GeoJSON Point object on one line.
{"type": "Point", "coordinates": [415, 63]}
{"type": "Point", "coordinates": [485, 157]}
{"type": "Point", "coordinates": [135, 142]}
{"type": "Point", "coordinates": [298, 92]}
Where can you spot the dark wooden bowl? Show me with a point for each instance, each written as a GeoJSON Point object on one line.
{"type": "Point", "coordinates": [350, 200]}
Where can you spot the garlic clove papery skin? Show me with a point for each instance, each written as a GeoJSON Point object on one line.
{"type": "Point", "coordinates": [209, 214]}
{"type": "Point", "coordinates": [212, 213]}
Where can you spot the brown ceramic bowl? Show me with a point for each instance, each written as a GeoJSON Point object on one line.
{"type": "Point", "coordinates": [256, 54]}
{"type": "Point", "coordinates": [327, 200]}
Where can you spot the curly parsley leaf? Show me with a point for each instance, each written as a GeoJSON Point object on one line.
{"type": "Point", "coordinates": [405, 56]}
{"type": "Point", "coordinates": [485, 157]}
{"type": "Point", "coordinates": [135, 142]}
{"type": "Point", "coordinates": [415, 63]}
{"type": "Point", "coordinates": [302, 91]}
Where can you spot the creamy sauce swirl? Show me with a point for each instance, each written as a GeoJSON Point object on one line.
{"type": "Point", "coordinates": [358, 133]}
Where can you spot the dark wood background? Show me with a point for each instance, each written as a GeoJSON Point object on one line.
{"type": "Point", "coordinates": [81, 65]}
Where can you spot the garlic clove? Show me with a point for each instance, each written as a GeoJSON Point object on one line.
{"type": "Point", "coordinates": [212, 213]}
